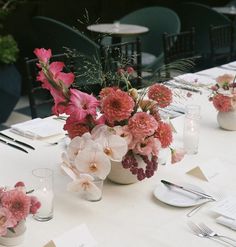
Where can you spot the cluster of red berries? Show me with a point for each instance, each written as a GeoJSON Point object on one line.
{"type": "Point", "coordinates": [129, 162]}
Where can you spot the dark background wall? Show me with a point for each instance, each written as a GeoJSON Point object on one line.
{"type": "Point", "coordinates": [69, 11]}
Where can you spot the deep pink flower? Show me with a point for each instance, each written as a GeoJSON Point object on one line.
{"type": "Point", "coordinates": [161, 94]}
{"type": "Point", "coordinates": [75, 128]}
{"type": "Point", "coordinates": [6, 220]}
{"type": "Point", "coordinates": [130, 70]}
{"type": "Point", "coordinates": [81, 104]}
{"type": "Point", "coordinates": [117, 106]}
{"type": "Point", "coordinates": [17, 202]}
{"type": "Point", "coordinates": [34, 205]}
{"type": "Point", "coordinates": [177, 155]}
{"type": "Point", "coordinates": [19, 184]}
{"type": "Point", "coordinates": [222, 103]}
{"type": "Point", "coordinates": [164, 134]}
{"type": "Point", "coordinates": [43, 55]}
{"type": "Point", "coordinates": [142, 125]}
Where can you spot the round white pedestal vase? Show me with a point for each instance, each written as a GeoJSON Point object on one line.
{"type": "Point", "coordinates": [120, 175]}
{"type": "Point", "coordinates": [14, 238]}
{"type": "Point", "coordinates": [227, 120]}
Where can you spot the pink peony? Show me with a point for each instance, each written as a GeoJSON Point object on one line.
{"type": "Point", "coordinates": [222, 103]}
{"type": "Point", "coordinates": [177, 155]}
{"type": "Point", "coordinates": [75, 128]}
{"type": "Point", "coordinates": [142, 125]}
{"type": "Point", "coordinates": [6, 221]}
{"type": "Point", "coordinates": [43, 55]}
{"type": "Point", "coordinates": [164, 134]}
{"type": "Point", "coordinates": [161, 94]}
{"type": "Point", "coordinates": [17, 202]}
{"type": "Point", "coordinates": [117, 106]}
{"type": "Point", "coordinates": [81, 104]}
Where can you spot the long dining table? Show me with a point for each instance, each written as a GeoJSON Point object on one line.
{"type": "Point", "coordinates": [130, 215]}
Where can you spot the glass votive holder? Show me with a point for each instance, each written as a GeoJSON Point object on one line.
{"type": "Point", "coordinates": [93, 192]}
{"type": "Point", "coordinates": [191, 129]}
{"type": "Point", "coordinates": [43, 190]}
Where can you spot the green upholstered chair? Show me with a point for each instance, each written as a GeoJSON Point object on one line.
{"type": "Point", "coordinates": [158, 20]}
{"type": "Point", "coordinates": [50, 33]}
{"type": "Point", "coordinates": [200, 17]}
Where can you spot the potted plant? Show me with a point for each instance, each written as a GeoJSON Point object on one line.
{"type": "Point", "coordinates": [10, 79]}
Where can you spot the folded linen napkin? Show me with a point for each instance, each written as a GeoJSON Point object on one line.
{"type": "Point", "coordinates": [231, 223]}
{"type": "Point", "coordinates": [39, 128]}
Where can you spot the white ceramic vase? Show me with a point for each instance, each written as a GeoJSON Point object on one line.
{"type": "Point", "coordinates": [14, 238]}
{"type": "Point", "coordinates": [227, 120]}
{"type": "Point", "coordinates": [120, 175]}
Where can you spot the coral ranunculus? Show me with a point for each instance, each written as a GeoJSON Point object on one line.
{"type": "Point", "coordinates": [222, 103]}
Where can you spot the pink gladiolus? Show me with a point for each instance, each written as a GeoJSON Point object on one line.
{"type": "Point", "coordinates": [177, 155]}
{"type": "Point", "coordinates": [149, 146]}
{"type": "Point", "coordinates": [43, 55]}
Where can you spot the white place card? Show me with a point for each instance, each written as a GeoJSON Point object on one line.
{"type": "Point", "coordinates": [76, 237]}
{"type": "Point", "coordinates": [207, 170]}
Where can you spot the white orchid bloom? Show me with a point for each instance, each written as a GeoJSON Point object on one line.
{"type": "Point", "coordinates": [101, 130]}
{"type": "Point", "coordinates": [85, 185]}
{"type": "Point", "coordinates": [92, 160]}
{"type": "Point", "coordinates": [77, 144]}
{"type": "Point", "coordinates": [114, 146]}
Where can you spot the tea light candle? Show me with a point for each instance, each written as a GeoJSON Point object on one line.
{"type": "Point", "coordinates": [46, 199]}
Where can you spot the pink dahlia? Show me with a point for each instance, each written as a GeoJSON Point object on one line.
{"type": "Point", "coordinates": [222, 103]}
{"type": "Point", "coordinates": [17, 202]}
{"type": "Point", "coordinates": [164, 134]}
{"type": "Point", "coordinates": [81, 104]}
{"type": "Point", "coordinates": [161, 94]}
{"type": "Point", "coordinates": [117, 106]}
{"type": "Point", "coordinates": [142, 125]}
{"type": "Point", "coordinates": [6, 221]}
{"type": "Point", "coordinates": [75, 128]}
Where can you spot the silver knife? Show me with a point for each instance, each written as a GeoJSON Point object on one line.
{"type": "Point", "coordinates": [203, 195]}
{"type": "Point", "coordinates": [13, 145]}
{"type": "Point", "coordinates": [16, 141]}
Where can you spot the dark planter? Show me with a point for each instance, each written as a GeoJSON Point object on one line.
{"type": "Point", "coordinates": [10, 90]}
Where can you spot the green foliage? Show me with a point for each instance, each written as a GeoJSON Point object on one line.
{"type": "Point", "coordinates": [8, 49]}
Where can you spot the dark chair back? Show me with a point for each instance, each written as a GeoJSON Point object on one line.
{"type": "Point", "coordinates": [179, 45]}
{"type": "Point", "coordinates": [122, 55]}
{"type": "Point", "coordinates": [221, 43]}
{"type": "Point", "coordinates": [158, 20]}
{"type": "Point", "coordinates": [40, 99]}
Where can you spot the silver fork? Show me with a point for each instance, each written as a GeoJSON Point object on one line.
{"type": "Point", "coordinates": [200, 233]}
{"type": "Point", "coordinates": [212, 233]}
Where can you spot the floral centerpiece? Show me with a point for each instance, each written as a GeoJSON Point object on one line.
{"type": "Point", "coordinates": [223, 97]}
{"type": "Point", "coordinates": [121, 124]}
{"type": "Point", "coordinates": [15, 206]}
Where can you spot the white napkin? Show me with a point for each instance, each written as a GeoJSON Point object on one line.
{"type": "Point", "coordinates": [231, 223]}
{"type": "Point", "coordinates": [39, 128]}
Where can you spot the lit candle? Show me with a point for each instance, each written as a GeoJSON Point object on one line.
{"type": "Point", "coordinates": [45, 197]}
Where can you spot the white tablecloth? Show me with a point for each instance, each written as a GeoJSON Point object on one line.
{"type": "Point", "coordinates": [129, 215]}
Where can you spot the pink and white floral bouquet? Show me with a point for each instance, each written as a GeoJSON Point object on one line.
{"type": "Point", "coordinates": [118, 125]}
{"type": "Point", "coordinates": [15, 206]}
{"type": "Point", "coordinates": [223, 94]}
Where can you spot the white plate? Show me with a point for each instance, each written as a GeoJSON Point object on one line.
{"type": "Point", "coordinates": [177, 197]}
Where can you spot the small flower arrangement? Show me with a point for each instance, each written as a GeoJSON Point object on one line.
{"type": "Point", "coordinates": [120, 125]}
{"type": "Point", "coordinates": [15, 206]}
{"type": "Point", "coordinates": [223, 94]}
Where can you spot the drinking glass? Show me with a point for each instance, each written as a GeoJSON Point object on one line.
{"type": "Point", "coordinates": [43, 190]}
{"type": "Point", "coordinates": [191, 129]}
